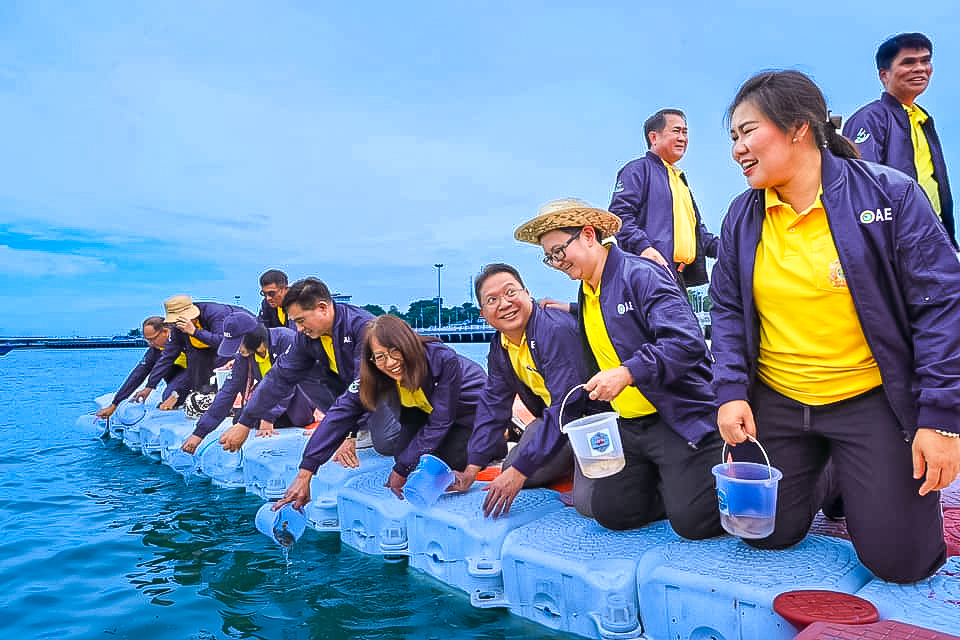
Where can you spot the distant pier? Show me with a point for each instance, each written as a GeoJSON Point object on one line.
{"type": "Point", "coordinates": [460, 333]}
{"type": "Point", "coordinates": [42, 342]}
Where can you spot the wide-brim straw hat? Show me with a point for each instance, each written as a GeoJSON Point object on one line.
{"type": "Point", "coordinates": [567, 212]}
{"type": "Point", "coordinates": [180, 306]}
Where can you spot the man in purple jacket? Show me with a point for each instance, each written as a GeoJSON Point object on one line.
{"type": "Point", "coordinates": [660, 218]}
{"type": "Point", "coordinates": [156, 335]}
{"type": "Point", "coordinates": [537, 354]}
{"type": "Point", "coordinates": [273, 287]}
{"type": "Point", "coordinates": [651, 364]}
{"type": "Point", "coordinates": [896, 131]}
{"type": "Point", "coordinates": [196, 330]}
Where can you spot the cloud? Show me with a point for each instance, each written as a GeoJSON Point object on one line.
{"type": "Point", "coordinates": [18, 262]}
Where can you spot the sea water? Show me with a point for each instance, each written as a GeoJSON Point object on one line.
{"type": "Point", "coordinates": [98, 542]}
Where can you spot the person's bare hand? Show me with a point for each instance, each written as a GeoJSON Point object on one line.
{"type": "Point", "coordinates": [463, 480]}
{"type": "Point", "coordinates": [346, 454]}
{"type": "Point", "coordinates": [190, 444]}
{"type": "Point", "coordinates": [297, 493]}
{"type": "Point", "coordinates": [395, 483]}
{"type": "Point", "coordinates": [266, 430]}
{"type": "Point", "coordinates": [169, 404]}
{"type": "Point", "coordinates": [501, 492]}
{"type": "Point", "coordinates": [106, 412]}
{"type": "Point", "coordinates": [234, 437]}
{"type": "Point", "coordinates": [735, 419]}
{"type": "Point", "coordinates": [937, 457]}
{"type": "Point", "coordinates": [608, 384]}
{"type": "Point", "coordinates": [652, 254]}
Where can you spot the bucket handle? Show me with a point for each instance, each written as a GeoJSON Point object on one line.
{"type": "Point", "coordinates": [564, 402]}
{"type": "Point", "coordinates": [723, 453]}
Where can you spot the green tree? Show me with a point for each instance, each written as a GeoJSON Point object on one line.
{"type": "Point", "coordinates": [134, 333]}
{"type": "Point", "coordinates": [375, 309]}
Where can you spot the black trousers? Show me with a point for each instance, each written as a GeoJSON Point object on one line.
{"type": "Point", "coordinates": [664, 477]}
{"type": "Point", "coordinates": [897, 533]}
{"type": "Point", "coordinates": [452, 449]}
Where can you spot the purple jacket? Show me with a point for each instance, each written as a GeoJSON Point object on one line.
{"type": "Point", "coordinates": [554, 342]}
{"type": "Point", "coordinates": [278, 340]}
{"type": "Point", "coordinates": [306, 361]}
{"type": "Point", "coordinates": [269, 317]}
{"type": "Point", "coordinates": [453, 393]}
{"type": "Point", "coordinates": [212, 315]}
{"type": "Point", "coordinates": [901, 272]}
{"type": "Point", "coordinates": [881, 130]}
{"type": "Point", "coordinates": [644, 202]}
{"type": "Point", "coordinates": [656, 336]}
{"type": "Point", "coordinates": [138, 375]}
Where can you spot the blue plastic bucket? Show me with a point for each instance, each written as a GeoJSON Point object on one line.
{"type": "Point", "coordinates": [130, 413]}
{"type": "Point", "coordinates": [184, 463]}
{"type": "Point", "coordinates": [747, 493]}
{"type": "Point", "coordinates": [284, 526]}
{"type": "Point", "coordinates": [428, 481]}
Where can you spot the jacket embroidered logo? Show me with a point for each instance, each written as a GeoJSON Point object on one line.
{"type": "Point", "coordinates": [862, 136]}
{"type": "Point", "coordinates": [869, 216]}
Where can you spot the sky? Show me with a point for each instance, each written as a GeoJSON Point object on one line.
{"type": "Point", "coordinates": [157, 148]}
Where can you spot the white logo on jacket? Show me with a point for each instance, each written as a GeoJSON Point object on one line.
{"type": "Point", "coordinates": [624, 306]}
{"type": "Point", "coordinates": [869, 216]}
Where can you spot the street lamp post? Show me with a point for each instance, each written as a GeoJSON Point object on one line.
{"type": "Point", "coordinates": [439, 299]}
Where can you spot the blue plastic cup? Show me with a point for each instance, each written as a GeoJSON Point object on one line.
{"type": "Point", "coordinates": [747, 493]}
{"type": "Point", "coordinates": [90, 424]}
{"type": "Point", "coordinates": [428, 481]}
{"type": "Point", "coordinates": [284, 526]}
{"type": "Point", "coordinates": [183, 463]}
{"type": "Point", "coordinates": [130, 413]}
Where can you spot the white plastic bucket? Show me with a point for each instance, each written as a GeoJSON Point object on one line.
{"type": "Point", "coordinates": [284, 526]}
{"type": "Point", "coordinates": [595, 441]}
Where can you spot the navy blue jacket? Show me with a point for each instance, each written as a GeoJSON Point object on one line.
{"type": "Point", "coordinates": [883, 130]}
{"type": "Point", "coordinates": [901, 272]}
{"type": "Point", "coordinates": [270, 318]}
{"type": "Point", "coordinates": [278, 340]}
{"type": "Point", "coordinates": [212, 315]}
{"type": "Point", "coordinates": [643, 201]}
{"type": "Point", "coordinates": [557, 352]}
{"type": "Point", "coordinates": [138, 375]}
{"type": "Point", "coordinates": [656, 337]}
{"type": "Point", "coordinates": [453, 391]}
{"type": "Point", "coordinates": [306, 360]}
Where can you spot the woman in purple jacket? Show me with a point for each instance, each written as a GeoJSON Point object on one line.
{"type": "Point", "coordinates": [836, 330]}
{"type": "Point", "coordinates": [433, 388]}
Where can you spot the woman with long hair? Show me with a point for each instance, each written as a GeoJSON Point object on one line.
{"type": "Point", "coordinates": [432, 388]}
{"type": "Point", "coordinates": [836, 330]}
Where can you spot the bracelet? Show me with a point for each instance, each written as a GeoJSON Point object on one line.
{"type": "Point", "coordinates": [947, 434]}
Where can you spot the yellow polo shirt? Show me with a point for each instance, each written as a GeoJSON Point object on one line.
{"type": "Point", "coordinates": [921, 156]}
{"type": "Point", "coordinates": [630, 403]}
{"type": "Point", "coordinates": [263, 362]}
{"type": "Point", "coordinates": [194, 341]}
{"type": "Point", "coordinates": [415, 399]}
{"type": "Point", "coordinates": [281, 316]}
{"type": "Point", "coordinates": [812, 347]}
{"type": "Point", "coordinates": [684, 218]}
{"type": "Point", "coordinates": [524, 367]}
{"type": "Point", "coordinates": [327, 342]}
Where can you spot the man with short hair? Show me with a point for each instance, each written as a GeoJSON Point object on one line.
{"type": "Point", "coordinates": [661, 221]}
{"type": "Point", "coordinates": [156, 336]}
{"type": "Point", "coordinates": [273, 286]}
{"type": "Point", "coordinates": [323, 359]}
{"type": "Point", "coordinates": [254, 349]}
{"type": "Point", "coordinates": [651, 364]}
{"type": "Point", "coordinates": [537, 354]}
{"type": "Point", "coordinates": [897, 132]}
{"type": "Point", "coordinates": [196, 330]}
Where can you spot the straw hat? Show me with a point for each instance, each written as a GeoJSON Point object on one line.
{"type": "Point", "coordinates": [180, 306]}
{"type": "Point", "coordinates": [567, 212]}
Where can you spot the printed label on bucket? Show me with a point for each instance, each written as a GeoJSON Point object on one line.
{"type": "Point", "coordinates": [600, 443]}
{"type": "Point", "coordinates": [722, 499]}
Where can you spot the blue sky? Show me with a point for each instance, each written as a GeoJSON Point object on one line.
{"type": "Point", "coordinates": [154, 148]}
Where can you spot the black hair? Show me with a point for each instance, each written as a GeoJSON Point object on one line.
{"type": "Point", "coordinates": [491, 270]}
{"type": "Point", "coordinates": [890, 49]}
{"type": "Point", "coordinates": [791, 99]}
{"type": "Point", "coordinates": [307, 293]}
{"type": "Point", "coordinates": [273, 276]}
{"type": "Point", "coordinates": [154, 322]}
{"type": "Point", "coordinates": [658, 121]}
{"type": "Point", "coordinates": [254, 338]}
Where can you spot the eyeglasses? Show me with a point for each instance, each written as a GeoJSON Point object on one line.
{"type": "Point", "coordinates": [269, 294]}
{"type": "Point", "coordinates": [381, 356]}
{"type": "Point", "coordinates": [492, 302]}
{"type": "Point", "coordinates": [154, 337]}
{"type": "Point", "coordinates": [559, 254]}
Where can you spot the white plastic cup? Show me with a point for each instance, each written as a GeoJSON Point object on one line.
{"type": "Point", "coordinates": [428, 481]}
{"type": "Point", "coordinates": [596, 443]}
{"type": "Point", "coordinates": [284, 526]}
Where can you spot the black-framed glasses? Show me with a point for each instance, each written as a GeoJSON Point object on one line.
{"type": "Point", "coordinates": [559, 254]}
{"type": "Point", "coordinates": [492, 302]}
{"type": "Point", "coordinates": [269, 294]}
{"type": "Point", "coordinates": [380, 357]}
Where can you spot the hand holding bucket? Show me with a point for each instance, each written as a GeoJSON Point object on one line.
{"type": "Point", "coordinates": [284, 526]}
{"type": "Point", "coordinates": [747, 493]}
{"type": "Point", "coordinates": [425, 483]}
{"type": "Point", "coordinates": [595, 440]}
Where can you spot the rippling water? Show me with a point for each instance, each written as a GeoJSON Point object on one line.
{"type": "Point", "coordinates": [98, 542]}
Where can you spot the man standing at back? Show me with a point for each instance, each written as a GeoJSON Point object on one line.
{"type": "Point", "coordinates": [661, 221]}
{"type": "Point", "coordinates": [895, 131]}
